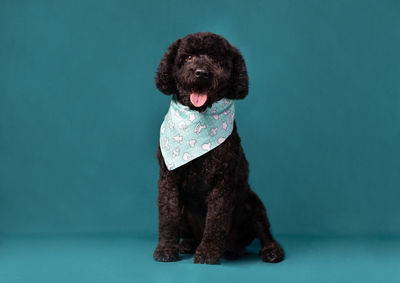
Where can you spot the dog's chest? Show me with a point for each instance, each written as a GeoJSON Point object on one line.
{"type": "Point", "coordinates": [197, 180]}
{"type": "Point", "coordinates": [200, 176]}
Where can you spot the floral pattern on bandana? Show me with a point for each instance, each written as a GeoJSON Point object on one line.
{"type": "Point", "coordinates": [186, 134]}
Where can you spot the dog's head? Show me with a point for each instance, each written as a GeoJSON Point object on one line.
{"type": "Point", "coordinates": [201, 69]}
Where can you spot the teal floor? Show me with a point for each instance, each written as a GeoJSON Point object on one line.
{"type": "Point", "coordinates": [129, 259]}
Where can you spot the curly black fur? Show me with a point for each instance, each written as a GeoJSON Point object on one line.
{"type": "Point", "coordinates": [208, 202]}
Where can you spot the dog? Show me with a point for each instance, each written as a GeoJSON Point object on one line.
{"type": "Point", "coordinates": [205, 204]}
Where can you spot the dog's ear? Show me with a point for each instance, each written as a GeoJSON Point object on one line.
{"type": "Point", "coordinates": [239, 82]}
{"type": "Point", "coordinates": [164, 78]}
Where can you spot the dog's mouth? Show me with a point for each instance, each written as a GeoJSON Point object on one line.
{"type": "Point", "coordinates": [198, 99]}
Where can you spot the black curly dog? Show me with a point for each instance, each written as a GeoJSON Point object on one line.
{"type": "Point", "coordinates": [208, 201]}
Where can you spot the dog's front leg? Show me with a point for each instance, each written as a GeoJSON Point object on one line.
{"type": "Point", "coordinates": [169, 217]}
{"type": "Point", "coordinates": [220, 206]}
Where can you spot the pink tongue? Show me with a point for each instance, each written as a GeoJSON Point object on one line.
{"type": "Point", "coordinates": [198, 99]}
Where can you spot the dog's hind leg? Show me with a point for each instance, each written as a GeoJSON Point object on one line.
{"type": "Point", "coordinates": [270, 251]}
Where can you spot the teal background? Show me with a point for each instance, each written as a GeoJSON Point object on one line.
{"type": "Point", "coordinates": [80, 117]}
{"type": "Point", "coordinates": [80, 114]}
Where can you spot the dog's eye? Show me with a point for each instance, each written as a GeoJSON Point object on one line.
{"type": "Point", "coordinates": [189, 58]}
{"type": "Point", "coordinates": [218, 62]}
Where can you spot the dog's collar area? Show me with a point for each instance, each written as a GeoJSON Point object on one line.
{"type": "Point", "coordinates": [219, 105]}
{"type": "Point", "coordinates": [186, 134]}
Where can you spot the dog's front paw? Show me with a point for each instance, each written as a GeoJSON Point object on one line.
{"type": "Point", "coordinates": [207, 255]}
{"type": "Point", "coordinates": [166, 254]}
{"type": "Point", "coordinates": [272, 253]}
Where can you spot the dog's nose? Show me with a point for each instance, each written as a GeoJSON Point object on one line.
{"type": "Point", "coordinates": [201, 73]}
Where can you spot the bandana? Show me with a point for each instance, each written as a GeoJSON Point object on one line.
{"type": "Point", "coordinates": [186, 134]}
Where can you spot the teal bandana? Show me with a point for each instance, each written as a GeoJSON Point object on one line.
{"type": "Point", "coordinates": [186, 134]}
